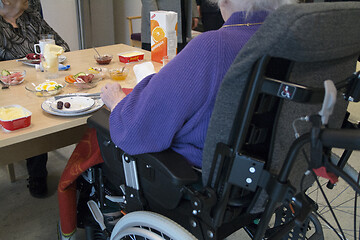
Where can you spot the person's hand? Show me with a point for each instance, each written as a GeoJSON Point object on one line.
{"type": "Point", "coordinates": [195, 22]}
{"type": "Point", "coordinates": [112, 94]}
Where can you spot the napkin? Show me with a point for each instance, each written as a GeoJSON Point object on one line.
{"type": "Point", "coordinates": [143, 70]}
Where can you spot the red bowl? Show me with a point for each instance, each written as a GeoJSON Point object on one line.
{"type": "Point", "coordinates": [17, 123]}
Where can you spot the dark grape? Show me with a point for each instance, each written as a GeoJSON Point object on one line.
{"type": "Point", "coordinates": [59, 104]}
{"type": "Point", "coordinates": [67, 105]}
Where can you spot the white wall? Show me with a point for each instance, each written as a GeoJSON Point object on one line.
{"type": "Point", "coordinates": [61, 16]}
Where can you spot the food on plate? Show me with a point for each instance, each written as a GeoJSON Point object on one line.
{"type": "Point", "coordinates": [103, 59]}
{"type": "Point", "coordinates": [5, 72]}
{"type": "Point", "coordinates": [79, 78]}
{"type": "Point", "coordinates": [95, 70]}
{"type": "Point", "coordinates": [70, 79]}
{"type": "Point", "coordinates": [119, 74]}
{"type": "Point", "coordinates": [33, 56]}
{"type": "Point", "coordinates": [48, 86]}
{"type": "Point", "coordinates": [79, 74]}
{"type": "Point", "coordinates": [59, 105]}
{"type": "Point", "coordinates": [99, 73]}
{"type": "Point", "coordinates": [11, 113]}
{"type": "Point", "coordinates": [12, 77]}
{"type": "Point", "coordinates": [87, 78]}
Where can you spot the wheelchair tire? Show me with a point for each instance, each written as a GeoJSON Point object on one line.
{"type": "Point", "coordinates": [148, 225]}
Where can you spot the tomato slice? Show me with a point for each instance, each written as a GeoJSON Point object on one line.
{"type": "Point", "coordinates": [70, 79]}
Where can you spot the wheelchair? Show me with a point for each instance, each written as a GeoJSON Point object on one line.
{"type": "Point", "coordinates": [275, 119]}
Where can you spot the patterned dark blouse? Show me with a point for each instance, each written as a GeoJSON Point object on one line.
{"type": "Point", "coordinates": [17, 42]}
{"type": "Point", "coordinates": [35, 5]}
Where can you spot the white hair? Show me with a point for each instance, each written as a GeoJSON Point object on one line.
{"type": "Point", "coordinates": [254, 5]}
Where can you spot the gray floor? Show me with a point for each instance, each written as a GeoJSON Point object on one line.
{"type": "Point", "coordinates": [25, 217]}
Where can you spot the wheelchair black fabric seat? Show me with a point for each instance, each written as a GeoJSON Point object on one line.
{"type": "Point", "coordinates": [317, 40]}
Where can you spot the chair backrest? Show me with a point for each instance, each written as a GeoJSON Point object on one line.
{"type": "Point", "coordinates": [322, 40]}
{"type": "Point", "coordinates": [135, 38]}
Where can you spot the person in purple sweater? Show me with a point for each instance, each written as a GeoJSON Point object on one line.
{"type": "Point", "coordinates": [172, 108]}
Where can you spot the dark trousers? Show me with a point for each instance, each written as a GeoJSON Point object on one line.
{"type": "Point", "coordinates": [36, 166]}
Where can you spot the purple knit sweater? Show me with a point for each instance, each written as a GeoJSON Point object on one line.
{"type": "Point", "coordinates": [172, 109]}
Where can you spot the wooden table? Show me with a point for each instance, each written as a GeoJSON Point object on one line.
{"type": "Point", "coordinates": [48, 132]}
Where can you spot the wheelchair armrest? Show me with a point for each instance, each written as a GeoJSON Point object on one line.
{"type": "Point", "coordinates": [100, 121]}
{"type": "Point", "coordinates": [171, 164]}
{"type": "Point", "coordinates": [168, 162]}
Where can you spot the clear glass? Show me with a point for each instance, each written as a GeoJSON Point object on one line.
{"type": "Point", "coordinates": [50, 66]}
{"type": "Point", "coordinates": [46, 36]}
{"type": "Point", "coordinates": [166, 60]}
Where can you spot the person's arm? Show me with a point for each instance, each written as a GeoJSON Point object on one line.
{"type": "Point", "coordinates": [195, 14]}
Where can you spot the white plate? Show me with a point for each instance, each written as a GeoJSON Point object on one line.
{"type": "Point", "coordinates": [77, 104]}
{"type": "Point", "coordinates": [28, 62]}
{"type": "Point", "coordinates": [46, 106]}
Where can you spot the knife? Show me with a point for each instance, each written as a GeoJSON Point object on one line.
{"type": "Point", "coordinates": [32, 61]}
{"type": "Point", "coordinates": [92, 95]}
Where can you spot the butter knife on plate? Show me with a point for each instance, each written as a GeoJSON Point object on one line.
{"type": "Point", "coordinates": [91, 95]}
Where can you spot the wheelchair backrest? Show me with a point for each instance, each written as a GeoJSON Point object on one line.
{"type": "Point", "coordinates": [321, 41]}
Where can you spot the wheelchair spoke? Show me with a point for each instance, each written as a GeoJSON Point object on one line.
{"type": "Point", "coordinates": [342, 206]}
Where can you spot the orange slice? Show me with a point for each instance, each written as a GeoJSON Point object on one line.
{"type": "Point", "coordinates": [153, 24]}
{"type": "Point", "coordinates": [70, 79]}
{"type": "Point", "coordinates": [158, 33]}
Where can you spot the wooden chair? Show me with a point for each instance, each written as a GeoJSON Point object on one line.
{"type": "Point", "coordinates": [135, 38]}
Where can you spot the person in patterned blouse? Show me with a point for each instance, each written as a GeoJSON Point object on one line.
{"type": "Point", "coordinates": [21, 24]}
{"type": "Point", "coordinates": [20, 29]}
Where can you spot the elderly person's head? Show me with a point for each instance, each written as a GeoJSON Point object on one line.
{"type": "Point", "coordinates": [228, 7]}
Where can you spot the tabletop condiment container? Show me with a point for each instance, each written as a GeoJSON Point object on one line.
{"type": "Point", "coordinates": [16, 123]}
{"type": "Point", "coordinates": [132, 56]}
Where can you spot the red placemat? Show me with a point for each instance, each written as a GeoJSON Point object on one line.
{"type": "Point", "coordinates": [127, 90]}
